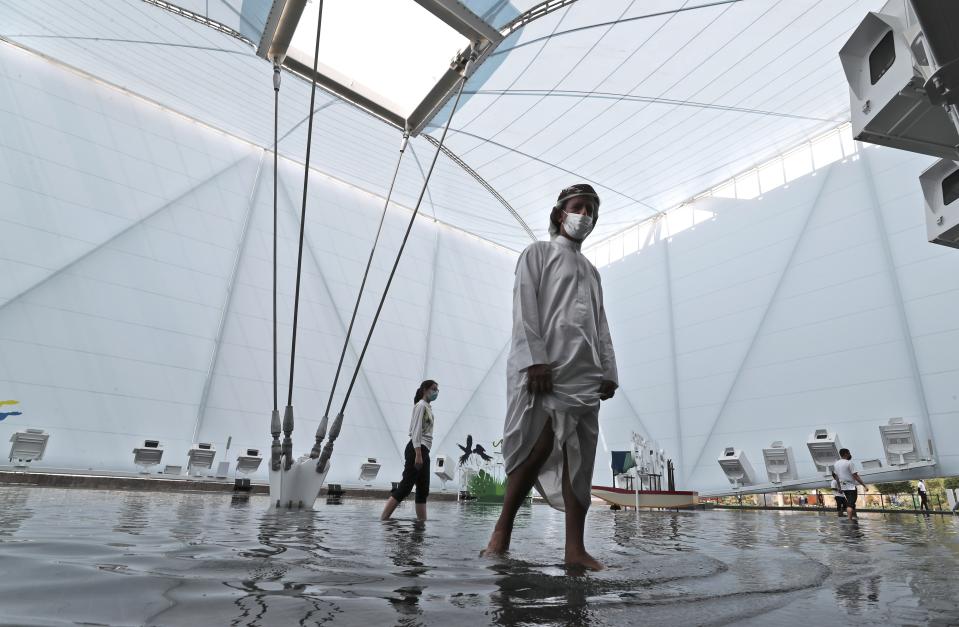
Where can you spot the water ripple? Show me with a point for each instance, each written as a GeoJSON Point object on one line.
{"type": "Point", "coordinates": [120, 558]}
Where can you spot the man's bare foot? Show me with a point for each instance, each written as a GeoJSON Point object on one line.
{"type": "Point", "coordinates": [498, 544]}
{"type": "Point", "coordinates": [582, 559]}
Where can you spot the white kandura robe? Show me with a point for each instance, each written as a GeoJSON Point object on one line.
{"type": "Point", "coordinates": [558, 319]}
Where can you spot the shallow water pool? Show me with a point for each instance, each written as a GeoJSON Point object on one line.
{"type": "Point", "coordinates": [129, 558]}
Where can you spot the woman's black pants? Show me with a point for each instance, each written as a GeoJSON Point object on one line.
{"type": "Point", "coordinates": [413, 477]}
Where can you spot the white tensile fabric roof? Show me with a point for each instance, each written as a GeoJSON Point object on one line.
{"type": "Point", "coordinates": [652, 101]}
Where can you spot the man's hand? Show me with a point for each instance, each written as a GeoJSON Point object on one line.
{"type": "Point", "coordinates": [607, 389]}
{"type": "Point", "coordinates": [539, 379]}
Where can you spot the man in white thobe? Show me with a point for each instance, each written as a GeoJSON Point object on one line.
{"type": "Point", "coordinates": [561, 365]}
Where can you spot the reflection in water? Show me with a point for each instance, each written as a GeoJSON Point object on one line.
{"type": "Point", "coordinates": [134, 514]}
{"type": "Point", "coordinates": [405, 540]}
{"type": "Point", "coordinates": [656, 532]}
{"type": "Point", "coordinates": [13, 509]}
{"type": "Point", "coordinates": [189, 514]}
{"type": "Point", "coordinates": [199, 559]}
{"type": "Point", "coordinates": [271, 580]}
{"type": "Point", "coordinates": [406, 545]}
{"type": "Point", "coordinates": [527, 596]}
{"type": "Point", "coordinates": [743, 535]}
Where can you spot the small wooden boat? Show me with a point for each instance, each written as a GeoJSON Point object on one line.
{"type": "Point", "coordinates": [647, 498]}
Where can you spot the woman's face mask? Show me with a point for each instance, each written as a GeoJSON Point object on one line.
{"type": "Point", "coordinates": [577, 225]}
{"type": "Point", "coordinates": [431, 396]}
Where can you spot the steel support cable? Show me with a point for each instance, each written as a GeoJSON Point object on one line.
{"type": "Point", "coordinates": [334, 433]}
{"type": "Point", "coordinates": [592, 141]}
{"type": "Point", "coordinates": [119, 40]}
{"type": "Point", "coordinates": [723, 140]}
{"type": "Point", "coordinates": [276, 141]}
{"type": "Point", "coordinates": [624, 20]}
{"type": "Point", "coordinates": [619, 142]}
{"type": "Point", "coordinates": [579, 60]}
{"type": "Point", "coordinates": [321, 429]}
{"type": "Point", "coordinates": [621, 163]}
{"type": "Point", "coordinates": [562, 115]}
{"type": "Point", "coordinates": [287, 446]}
{"type": "Point", "coordinates": [554, 165]}
{"type": "Point", "coordinates": [276, 449]}
{"type": "Point", "coordinates": [519, 75]}
{"type": "Point", "coordinates": [602, 95]}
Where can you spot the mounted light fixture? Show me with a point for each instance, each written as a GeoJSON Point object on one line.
{"type": "Point", "coordinates": [444, 468]}
{"type": "Point", "coordinates": [369, 469]}
{"type": "Point", "coordinates": [901, 442]}
{"type": "Point", "coordinates": [250, 462]}
{"type": "Point", "coordinates": [940, 188]}
{"type": "Point", "coordinates": [902, 77]}
{"type": "Point", "coordinates": [28, 446]}
{"type": "Point", "coordinates": [824, 448]}
{"type": "Point", "coordinates": [737, 468]}
{"type": "Point", "coordinates": [200, 457]}
{"type": "Point", "coordinates": [150, 454]}
{"type": "Point", "coordinates": [780, 463]}
{"type": "Point", "coordinates": [398, 59]}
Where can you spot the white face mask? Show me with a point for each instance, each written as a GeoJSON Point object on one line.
{"type": "Point", "coordinates": [577, 226]}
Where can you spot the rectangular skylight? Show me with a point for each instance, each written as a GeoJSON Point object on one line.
{"type": "Point", "coordinates": [391, 57]}
{"type": "Point", "coordinates": [391, 51]}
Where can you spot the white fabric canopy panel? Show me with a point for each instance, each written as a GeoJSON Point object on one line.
{"type": "Point", "coordinates": [135, 288]}
{"type": "Point", "coordinates": [651, 101]}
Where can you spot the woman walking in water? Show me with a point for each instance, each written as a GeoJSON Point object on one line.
{"type": "Point", "coordinates": [416, 470]}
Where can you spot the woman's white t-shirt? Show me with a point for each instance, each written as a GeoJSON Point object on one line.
{"type": "Point", "coordinates": [421, 425]}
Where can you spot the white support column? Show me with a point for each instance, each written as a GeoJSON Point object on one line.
{"type": "Point", "coordinates": [632, 408]}
{"type": "Point", "coordinates": [900, 305]}
{"type": "Point", "coordinates": [664, 241]}
{"type": "Point", "coordinates": [762, 321]}
{"type": "Point", "coordinates": [429, 319]}
{"type": "Point", "coordinates": [429, 195]}
{"type": "Point", "coordinates": [227, 301]}
{"type": "Point", "coordinates": [482, 381]}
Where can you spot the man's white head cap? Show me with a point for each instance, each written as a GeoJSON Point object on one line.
{"type": "Point", "coordinates": [579, 189]}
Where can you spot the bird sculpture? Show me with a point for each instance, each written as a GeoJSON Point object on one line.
{"type": "Point", "coordinates": [469, 450]}
{"type": "Point", "coordinates": [479, 450]}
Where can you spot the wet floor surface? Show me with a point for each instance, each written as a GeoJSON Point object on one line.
{"type": "Point", "coordinates": [124, 558]}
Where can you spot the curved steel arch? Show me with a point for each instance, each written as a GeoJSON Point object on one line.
{"type": "Point", "coordinates": [479, 179]}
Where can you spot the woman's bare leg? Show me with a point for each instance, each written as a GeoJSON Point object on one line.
{"type": "Point", "coordinates": [518, 484]}
{"type": "Point", "coordinates": [576, 554]}
{"type": "Point", "coordinates": [421, 511]}
{"type": "Point", "coordinates": [389, 508]}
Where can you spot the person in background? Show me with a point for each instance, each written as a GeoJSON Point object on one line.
{"type": "Point", "coordinates": [416, 470]}
{"type": "Point", "coordinates": [840, 498]}
{"type": "Point", "coordinates": [560, 366]}
{"type": "Point", "coordinates": [923, 497]}
{"type": "Point", "coordinates": [844, 472]}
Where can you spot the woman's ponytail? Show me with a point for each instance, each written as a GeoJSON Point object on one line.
{"type": "Point", "coordinates": [421, 391]}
